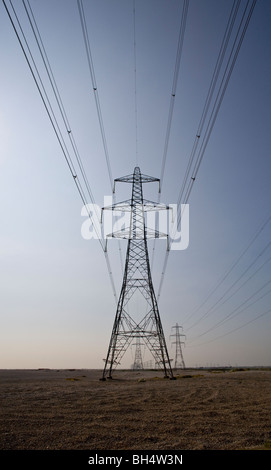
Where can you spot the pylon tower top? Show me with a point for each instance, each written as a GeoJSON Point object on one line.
{"type": "Point", "coordinates": [137, 205]}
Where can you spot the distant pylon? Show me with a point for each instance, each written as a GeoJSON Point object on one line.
{"type": "Point", "coordinates": [137, 284]}
{"type": "Point", "coordinates": [179, 361]}
{"type": "Point", "coordinates": [138, 362]}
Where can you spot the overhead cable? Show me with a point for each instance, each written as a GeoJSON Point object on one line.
{"type": "Point", "coordinates": [172, 97]}
{"type": "Point", "coordinates": [135, 80]}
{"type": "Point", "coordinates": [48, 107]}
{"type": "Point", "coordinates": [257, 233]}
{"type": "Point", "coordinates": [94, 85]}
{"type": "Point", "coordinates": [97, 101]}
{"type": "Point", "coordinates": [235, 329]}
{"type": "Point", "coordinates": [174, 86]}
{"type": "Point", "coordinates": [236, 311]}
{"type": "Point", "coordinates": [239, 37]}
{"type": "Point", "coordinates": [59, 101]}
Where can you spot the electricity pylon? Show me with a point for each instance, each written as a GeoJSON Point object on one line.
{"type": "Point", "coordinates": [138, 362]}
{"type": "Point", "coordinates": [179, 361]}
{"type": "Point", "coordinates": [137, 283]}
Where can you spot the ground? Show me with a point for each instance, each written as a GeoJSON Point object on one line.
{"type": "Point", "coordinates": [137, 410]}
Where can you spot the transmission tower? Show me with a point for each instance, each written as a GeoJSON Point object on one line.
{"type": "Point", "coordinates": [179, 361]}
{"type": "Point", "coordinates": [137, 289]}
{"type": "Point", "coordinates": [138, 363]}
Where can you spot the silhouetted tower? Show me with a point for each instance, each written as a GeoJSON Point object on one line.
{"type": "Point", "coordinates": [137, 289]}
{"type": "Point", "coordinates": [179, 361]}
{"type": "Point", "coordinates": [138, 363]}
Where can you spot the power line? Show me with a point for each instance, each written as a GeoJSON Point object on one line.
{"type": "Point", "coordinates": [68, 129]}
{"type": "Point", "coordinates": [97, 101]}
{"type": "Point", "coordinates": [229, 288]}
{"type": "Point", "coordinates": [70, 134]}
{"type": "Point", "coordinates": [135, 80]}
{"type": "Point", "coordinates": [172, 97]}
{"type": "Point", "coordinates": [216, 72]}
{"type": "Point", "coordinates": [44, 97]}
{"type": "Point", "coordinates": [53, 121]}
{"type": "Point", "coordinates": [94, 85]}
{"type": "Point", "coordinates": [239, 37]}
{"type": "Point", "coordinates": [235, 312]}
{"type": "Point", "coordinates": [233, 265]}
{"type": "Point", "coordinates": [174, 85]}
{"type": "Point", "coordinates": [236, 329]}
{"type": "Point", "coordinates": [221, 92]}
{"type": "Point", "coordinates": [59, 101]}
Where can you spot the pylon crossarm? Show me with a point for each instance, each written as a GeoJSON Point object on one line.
{"type": "Point", "coordinates": [138, 235]}
{"type": "Point", "coordinates": [124, 206]}
{"type": "Point", "coordinates": [154, 206]}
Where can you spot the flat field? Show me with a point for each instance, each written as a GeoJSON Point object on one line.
{"type": "Point", "coordinates": [137, 410]}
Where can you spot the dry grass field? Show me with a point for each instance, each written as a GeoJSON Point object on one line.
{"type": "Point", "coordinates": [137, 410]}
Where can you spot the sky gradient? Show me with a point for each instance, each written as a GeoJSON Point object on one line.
{"type": "Point", "coordinates": [57, 305]}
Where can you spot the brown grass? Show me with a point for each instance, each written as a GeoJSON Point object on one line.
{"type": "Point", "coordinates": [73, 409]}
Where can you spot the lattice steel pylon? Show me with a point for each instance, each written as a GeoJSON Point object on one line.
{"type": "Point", "coordinates": [179, 360]}
{"type": "Point", "coordinates": [137, 282]}
{"type": "Point", "coordinates": [138, 362]}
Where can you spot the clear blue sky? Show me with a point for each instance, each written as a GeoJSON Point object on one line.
{"type": "Point", "coordinates": [56, 304]}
